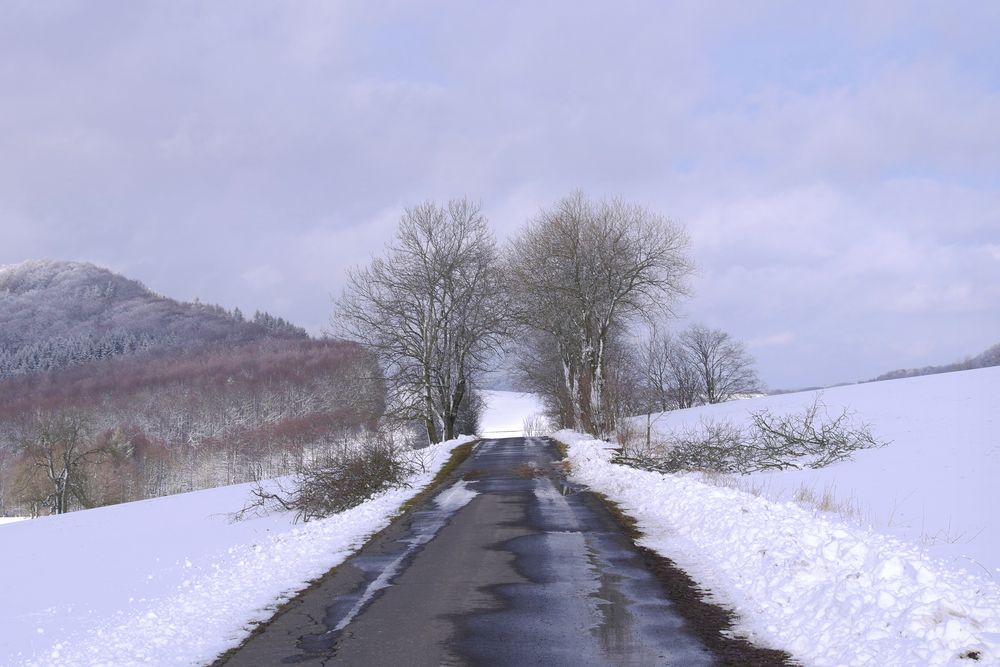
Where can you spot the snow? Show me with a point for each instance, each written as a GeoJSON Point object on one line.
{"type": "Point", "coordinates": [936, 482]}
{"type": "Point", "coordinates": [455, 497]}
{"type": "Point", "coordinates": [830, 588]}
{"type": "Point", "coordinates": [448, 502]}
{"type": "Point", "coordinates": [169, 581]}
{"type": "Point", "coordinates": [11, 519]}
{"type": "Point", "coordinates": [506, 411]}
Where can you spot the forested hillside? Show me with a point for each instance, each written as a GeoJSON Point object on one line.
{"type": "Point", "coordinates": [111, 393]}
{"type": "Point", "coordinates": [144, 426]}
{"type": "Point", "coordinates": [58, 314]}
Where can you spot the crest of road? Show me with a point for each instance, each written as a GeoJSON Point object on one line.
{"type": "Point", "coordinates": [506, 564]}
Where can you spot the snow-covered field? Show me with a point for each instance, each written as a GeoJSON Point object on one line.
{"type": "Point", "coordinates": [506, 412]}
{"type": "Point", "coordinates": [169, 581]}
{"type": "Point", "coordinates": [936, 482]}
{"type": "Point", "coordinates": [910, 580]}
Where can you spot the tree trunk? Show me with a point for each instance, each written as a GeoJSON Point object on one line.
{"type": "Point", "coordinates": [431, 425]}
{"type": "Point", "coordinates": [429, 421]}
{"type": "Point", "coordinates": [456, 406]}
{"type": "Point", "coordinates": [573, 392]}
{"type": "Point", "coordinates": [61, 493]}
{"type": "Point", "coordinates": [597, 412]}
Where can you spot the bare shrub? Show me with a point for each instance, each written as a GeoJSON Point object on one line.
{"type": "Point", "coordinates": [717, 446]}
{"type": "Point", "coordinates": [535, 425]}
{"type": "Point", "coordinates": [811, 438]}
{"type": "Point", "coordinates": [339, 480]}
{"type": "Point", "coordinates": [626, 434]}
{"type": "Point", "coordinates": [632, 445]}
{"type": "Point", "coordinates": [808, 439]}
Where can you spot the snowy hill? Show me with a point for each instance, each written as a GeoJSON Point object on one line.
{"type": "Point", "coordinates": [936, 482]}
{"type": "Point", "coordinates": [55, 314]}
{"type": "Point", "coordinates": [898, 565]}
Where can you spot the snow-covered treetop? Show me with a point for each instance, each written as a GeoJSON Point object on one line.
{"type": "Point", "coordinates": [36, 275]}
{"type": "Point", "coordinates": [54, 313]}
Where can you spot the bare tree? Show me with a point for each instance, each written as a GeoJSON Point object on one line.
{"type": "Point", "coordinates": [582, 271]}
{"type": "Point", "coordinates": [665, 378]}
{"type": "Point", "coordinates": [686, 385]}
{"type": "Point", "coordinates": [654, 365]}
{"type": "Point", "coordinates": [723, 366]}
{"type": "Point", "coordinates": [670, 381]}
{"type": "Point", "coordinates": [62, 446]}
{"type": "Point", "coordinates": [433, 310]}
{"type": "Point", "coordinates": [539, 369]}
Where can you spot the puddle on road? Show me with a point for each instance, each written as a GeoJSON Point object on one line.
{"type": "Point", "coordinates": [589, 599]}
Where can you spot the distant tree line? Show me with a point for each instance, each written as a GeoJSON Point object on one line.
{"type": "Point", "coordinates": [990, 357]}
{"type": "Point", "coordinates": [64, 351]}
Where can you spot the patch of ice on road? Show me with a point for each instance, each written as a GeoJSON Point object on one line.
{"type": "Point", "coordinates": [553, 505]}
{"type": "Point", "coordinates": [448, 502]}
{"type": "Point", "coordinates": [455, 496]}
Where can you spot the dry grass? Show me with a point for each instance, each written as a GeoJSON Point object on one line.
{"type": "Point", "coordinates": [528, 470]}
{"type": "Point", "coordinates": [735, 482]}
{"type": "Point", "coordinates": [564, 466]}
{"type": "Point", "coordinates": [806, 496]}
{"type": "Point", "coordinates": [827, 501]}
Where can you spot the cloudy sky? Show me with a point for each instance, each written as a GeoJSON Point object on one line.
{"type": "Point", "coordinates": [837, 166]}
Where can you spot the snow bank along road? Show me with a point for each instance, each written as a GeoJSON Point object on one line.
{"type": "Point", "coordinates": [828, 591]}
{"type": "Point", "coordinates": [507, 565]}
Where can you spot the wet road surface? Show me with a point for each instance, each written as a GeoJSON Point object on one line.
{"type": "Point", "coordinates": [507, 565]}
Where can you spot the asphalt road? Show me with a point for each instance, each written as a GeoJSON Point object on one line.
{"type": "Point", "coordinates": [530, 571]}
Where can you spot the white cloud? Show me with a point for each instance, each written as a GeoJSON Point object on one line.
{"type": "Point", "coordinates": [774, 340]}
{"type": "Point", "coordinates": [836, 167]}
{"type": "Point", "coordinates": [263, 277]}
